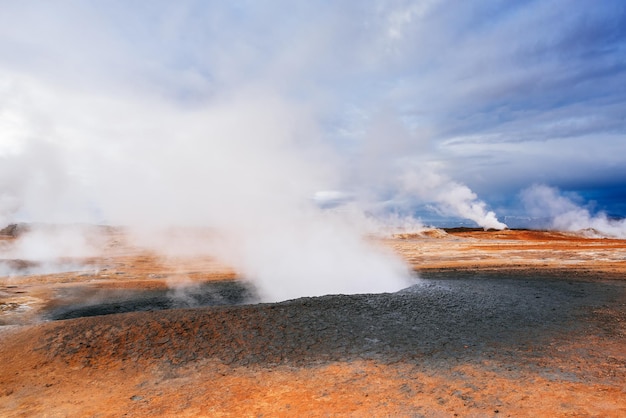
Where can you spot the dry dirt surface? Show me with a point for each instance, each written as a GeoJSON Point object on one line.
{"type": "Point", "coordinates": [499, 323]}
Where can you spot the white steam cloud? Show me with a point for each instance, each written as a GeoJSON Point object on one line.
{"type": "Point", "coordinates": [47, 249]}
{"type": "Point", "coordinates": [450, 197]}
{"type": "Point", "coordinates": [225, 118]}
{"type": "Point", "coordinates": [396, 159]}
{"type": "Point", "coordinates": [246, 166]}
{"type": "Point", "coordinates": [564, 214]}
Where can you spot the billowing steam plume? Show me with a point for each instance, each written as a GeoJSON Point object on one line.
{"type": "Point", "coordinates": [187, 117]}
{"type": "Point", "coordinates": [565, 215]}
{"type": "Point", "coordinates": [246, 167]}
{"type": "Point", "coordinates": [395, 165]}
{"type": "Point", "coordinates": [450, 197]}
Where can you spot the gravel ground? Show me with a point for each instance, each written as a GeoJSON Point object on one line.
{"type": "Point", "coordinates": [445, 316]}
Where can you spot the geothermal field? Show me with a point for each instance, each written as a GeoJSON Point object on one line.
{"type": "Point", "coordinates": [408, 208]}
{"type": "Point", "coordinates": [491, 323]}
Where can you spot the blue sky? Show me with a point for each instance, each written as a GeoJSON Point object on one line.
{"type": "Point", "coordinates": [429, 107]}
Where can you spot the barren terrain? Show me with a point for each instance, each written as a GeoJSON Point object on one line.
{"type": "Point", "coordinates": [499, 323]}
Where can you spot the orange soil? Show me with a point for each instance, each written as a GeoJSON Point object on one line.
{"type": "Point", "coordinates": [512, 249]}
{"type": "Point", "coordinates": [358, 388]}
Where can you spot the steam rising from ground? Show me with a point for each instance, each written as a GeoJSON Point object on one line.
{"type": "Point", "coordinates": [183, 122]}
{"type": "Point", "coordinates": [395, 171]}
{"type": "Point", "coordinates": [47, 249]}
{"type": "Point", "coordinates": [564, 214]}
{"type": "Point", "coordinates": [451, 197]}
{"type": "Point", "coordinates": [313, 255]}
{"type": "Point", "coordinates": [246, 167]}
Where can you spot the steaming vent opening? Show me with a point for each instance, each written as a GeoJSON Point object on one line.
{"type": "Point", "coordinates": [81, 302]}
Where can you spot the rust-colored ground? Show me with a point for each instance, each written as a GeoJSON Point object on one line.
{"type": "Point", "coordinates": [581, 376]}
{"type": "Point", "coordinates": [511, 249]}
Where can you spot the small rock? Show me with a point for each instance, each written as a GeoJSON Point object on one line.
{"type": "Point", "coordinates": [162, 340]}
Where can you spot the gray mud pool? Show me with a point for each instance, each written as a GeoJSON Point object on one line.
{"type": "Point", "coordinates": [443, 314]}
